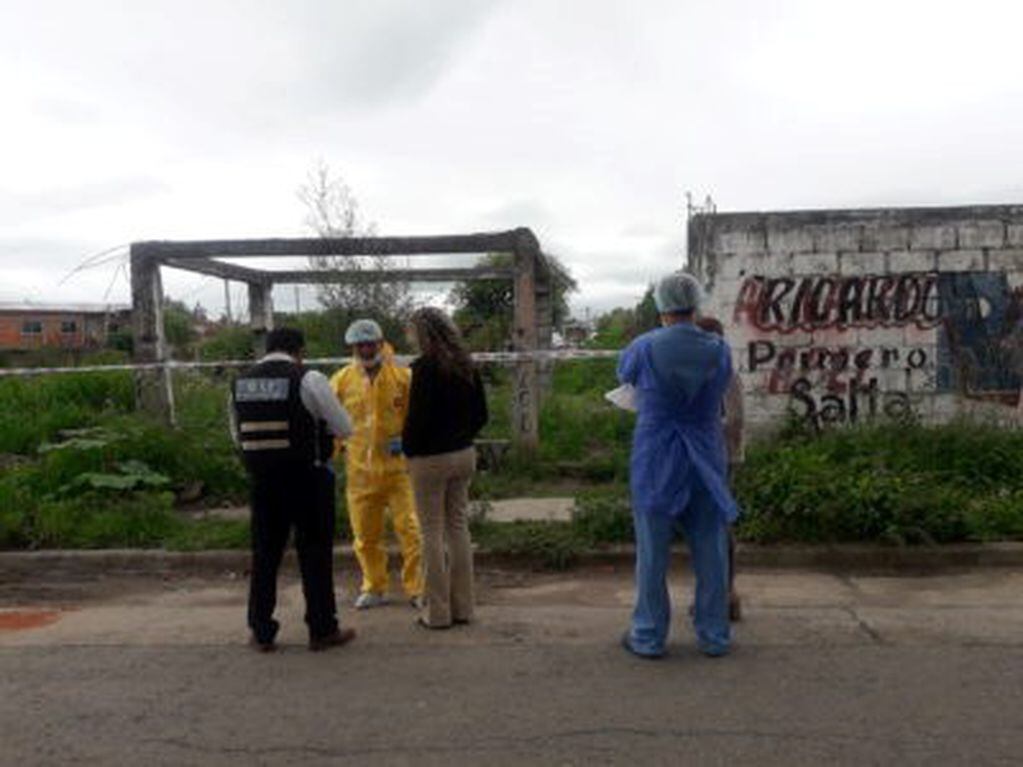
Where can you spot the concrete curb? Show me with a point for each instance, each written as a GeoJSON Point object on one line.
{"type": "Point", "coordinates": [855, 558]}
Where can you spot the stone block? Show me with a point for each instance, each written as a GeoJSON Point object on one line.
{"type": "Point", "coordinates": [736, 266]}
{"type": "Point", "coordinates": [945, 407]}
{"type": "Point", "coordinates": [921, 336]}
{"type": "Point", "coordinates": [885, 237]}
{"type": "Point", "coordinates": [981, 234]}
{"type": "Point", "coordinates": [912, 261]}
{"type": "Point", "coordinates": [891, 337]}
{"type": "Point", "coordinates": [815, 263]}
{"type": "Point", "coordinates": [1014, 235]}
{"type": "Point", "coordinates": [961, 261]}
{"type": "Point", "coordinates": [932, 237]}
{"type": "Point", "coordinates": [790, 240]}
{"type": "Point", "coordinates": [740, 241]}
{"type": "Point", "coordinates": [889, 379]}
{"type": "Point", "coordinates": [1005, 260]}
{"type": "Point", "coordinates": [837, 237]}
{"type": "Point", "coordinates": [857, 264]}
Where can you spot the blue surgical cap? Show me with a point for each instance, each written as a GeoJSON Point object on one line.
{"type": "Point", "coordinates": [678, 292]}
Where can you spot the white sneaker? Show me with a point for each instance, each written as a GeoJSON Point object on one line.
{"type": "Point", "coordinates": [368, 599]}
{"type": "Point", "coordinates": [417, 602]}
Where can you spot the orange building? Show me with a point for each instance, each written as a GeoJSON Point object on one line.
{"type": "Point", "coordinates": [26, 326]}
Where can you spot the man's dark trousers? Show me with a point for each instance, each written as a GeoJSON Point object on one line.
{"type": "Point", "coordinates": [301, 497]}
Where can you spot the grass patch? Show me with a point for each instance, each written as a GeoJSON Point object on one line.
{"type": "Point", "coordinates": [202, 534]}
{"type": "Point", "coordinates": [34, 410]}
{"type": "Point", "coordinates": [550, 545]}
{"type": "Point", "coordinates": [898, 483]}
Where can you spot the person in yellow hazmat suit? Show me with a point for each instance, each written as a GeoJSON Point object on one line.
{"type": "Point", "coordinates": [375, 392]}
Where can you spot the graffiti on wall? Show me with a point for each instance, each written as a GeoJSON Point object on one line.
{"type": "Point", "coordinates": [981, 337]}
{"type": "Point", "coordinates": [846, 347]}
{"type": "Point", "coordinates": [790, 304]}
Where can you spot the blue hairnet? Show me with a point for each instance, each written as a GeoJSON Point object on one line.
{"type": "Point", "coordinates": [363, 332]}
{"type": "Point", "coordinates": [678, 292]}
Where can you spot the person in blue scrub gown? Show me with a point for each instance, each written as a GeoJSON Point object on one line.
{"type": "Point", "coordinates": [679, 468]}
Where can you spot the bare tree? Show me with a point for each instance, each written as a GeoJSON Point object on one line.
{"type": "Point", "coordinates": [332, 210]}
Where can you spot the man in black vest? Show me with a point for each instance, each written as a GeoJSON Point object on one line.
{"type": "Point", "coordinates": [285, 418]}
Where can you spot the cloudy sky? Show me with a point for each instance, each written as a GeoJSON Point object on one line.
{"type": "Point", "coordinates": [586, 120]}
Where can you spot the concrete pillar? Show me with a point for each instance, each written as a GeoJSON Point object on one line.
{"type": "Point", "coordinates": [154, 391]}
{"type": "Point", "coordinates": [544, 323]}
{"type": "Point", "coordinates": [526, 337]}
{"type": "Point", "coordinates": [261, 314]}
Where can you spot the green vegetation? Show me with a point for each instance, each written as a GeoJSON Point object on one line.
{"type": "Point", "coordinates": [894, 482]}
{"type": "Point", "coordinates": [79, 468]}
{"type": "Point", "coordinates": [619, 326]}
{"type": "Point", "coordinates": [484, 308]}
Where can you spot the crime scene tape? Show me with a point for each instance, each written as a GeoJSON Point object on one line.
{"type": "Point", "coordinates": [505, 358]}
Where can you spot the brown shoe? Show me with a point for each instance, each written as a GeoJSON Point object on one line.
{"type": "Point", "coordinates": [258, 646]}
{"type": "Point", "coordinates": [336, 639]}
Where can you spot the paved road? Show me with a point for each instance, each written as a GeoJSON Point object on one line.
{"type": "Point", "coordinates": [826, 670]}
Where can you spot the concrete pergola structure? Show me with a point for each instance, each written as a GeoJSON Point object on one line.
{"type": "Point", "coordinates": [530, 274]}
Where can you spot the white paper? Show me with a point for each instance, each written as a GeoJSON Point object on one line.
{"type": "Point", "coordinates": [623, 397]}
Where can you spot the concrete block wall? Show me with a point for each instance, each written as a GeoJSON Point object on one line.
{"type": "Point", "coordinates": [838, 316]}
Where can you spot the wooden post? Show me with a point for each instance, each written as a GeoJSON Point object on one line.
{"type": "Point", "coordinates": [525, 337]}
{"type": "Point", "coordinates": [154, 392]}
{"type": "Point", "coordinates": [261, 314]}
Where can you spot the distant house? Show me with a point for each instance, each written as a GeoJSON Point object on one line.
{"type": "Point", "coordinates": [577, 332]}
{"type": "Point", "coordinates": [25, 326]}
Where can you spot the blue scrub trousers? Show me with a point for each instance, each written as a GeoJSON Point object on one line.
{"type": "Point", "coordinates": [707, 535]}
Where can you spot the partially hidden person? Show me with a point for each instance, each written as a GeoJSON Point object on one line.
{"type": "Point", "coordinates": [448, 409]}
{"type": "Point", "coordinates": [678, 469]}
{"type": "Point", "coordinates": [375, 391]}
{"type": "Point", "coordinates": [733, 420]}
{"type": "Point", "coordinates": [284, 420]}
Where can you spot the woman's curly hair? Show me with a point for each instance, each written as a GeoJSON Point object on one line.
{"type": "Point", "coordinates": [441, 341]}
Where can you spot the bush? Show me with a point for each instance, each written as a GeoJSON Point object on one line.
{"type": "Point", "coordinates": [34, 410]}
{"type": "Point", "coordinates": [603, 518]}
{"type": "Point", "coordinates": [901, 483]}
{"type": "Point", "coordinates": [95, 520]}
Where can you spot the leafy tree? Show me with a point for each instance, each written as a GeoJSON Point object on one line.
{"type": "Point", "coordinates": [332, 210]}
{"type": "Point", "coordinates": [325, 330]}
{"type": "Point", "coordinates": [619, 326]}
{"type": "Point", "coordinates": [178, 325]}
{"type": "Point", "coordinates": [485, 308]}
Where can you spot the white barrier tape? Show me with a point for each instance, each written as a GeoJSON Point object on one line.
{"type": "Point", "coordinates": [542, 355]}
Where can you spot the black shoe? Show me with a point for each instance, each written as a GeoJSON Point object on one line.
{"type": "Point", "coordinates": [255, 644]}
{"type": "Point", "coordinates": [335, 639]}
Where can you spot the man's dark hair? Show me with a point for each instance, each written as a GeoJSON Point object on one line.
{"type": "Point", "coordinates": [287, 340]}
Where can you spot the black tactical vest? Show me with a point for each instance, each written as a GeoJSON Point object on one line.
{"type": "Point", "coordinates": [274, 428]}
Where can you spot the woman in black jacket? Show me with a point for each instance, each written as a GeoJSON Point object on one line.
{"type": "Point", "coordinates": [447, 409]}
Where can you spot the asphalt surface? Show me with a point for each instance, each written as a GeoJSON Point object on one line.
{"type": "Point", "coordinates": [826, 669]}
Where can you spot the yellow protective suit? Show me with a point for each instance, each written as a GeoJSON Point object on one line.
{"type": "Point", "coordinates": [377, 477]}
